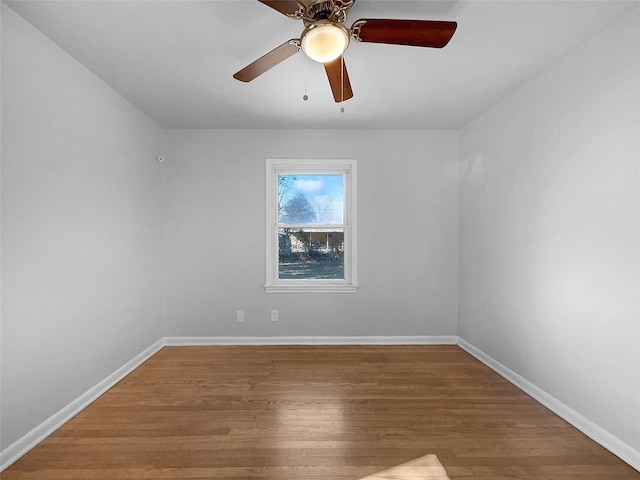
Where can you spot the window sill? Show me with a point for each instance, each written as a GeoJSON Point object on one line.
{"type": "Point", "coordinates": [310, 288]}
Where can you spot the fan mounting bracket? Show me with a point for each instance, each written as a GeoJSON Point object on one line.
{"type": "Point", "coordinates": [355, 30]}
{"type": "Point", "coordinates": [298, 14]}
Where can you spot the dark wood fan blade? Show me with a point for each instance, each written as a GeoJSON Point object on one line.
{"type": "Point", "coordinates": [286, 7]}
{"type": "Point", "coordinates": [419, 33]}
{"type": "Point", "coordinates": [339, 80]}
{"type": "Point", "coordinates": [268, 61]}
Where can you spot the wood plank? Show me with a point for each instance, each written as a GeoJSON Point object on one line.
{"type": "Point", "coordinates": [317, 412]}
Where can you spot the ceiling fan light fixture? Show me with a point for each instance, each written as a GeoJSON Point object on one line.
{"type": "Point", "coordinates": [324, 41]}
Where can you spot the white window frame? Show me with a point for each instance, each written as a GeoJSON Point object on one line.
{"type": "Point", "coordinates": [276, 167]}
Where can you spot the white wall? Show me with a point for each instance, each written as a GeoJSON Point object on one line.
{"type": "Point", "coordinates": [549, 236]}
{"type": "Point", "coordinates": [407, 234]}
{"type": "Point", "coordinates": [81, 228]}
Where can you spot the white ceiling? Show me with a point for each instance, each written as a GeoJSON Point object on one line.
{"type": "Point", "coordinates": [175, 59]}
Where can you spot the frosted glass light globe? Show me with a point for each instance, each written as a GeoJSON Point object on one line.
{"type": "Point", "coordinates": [324, 42]}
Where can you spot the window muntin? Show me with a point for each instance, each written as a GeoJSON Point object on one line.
{"type": "Point", "coordinates": [311, 226]}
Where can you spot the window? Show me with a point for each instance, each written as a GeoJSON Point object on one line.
{"type": "Point", "coordinates": [311, 226]}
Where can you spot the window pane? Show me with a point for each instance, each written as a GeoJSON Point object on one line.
{"type": "Point", "coordinates": [311, 253]}
{"type": "Point", "coordinates": [311, 199]}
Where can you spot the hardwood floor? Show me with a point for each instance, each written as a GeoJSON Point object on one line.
{"type": "Point", "coordinates": [317, 412]}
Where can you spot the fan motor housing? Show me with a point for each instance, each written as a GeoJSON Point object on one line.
{"type": "Point", "coordinates": [332, 10]}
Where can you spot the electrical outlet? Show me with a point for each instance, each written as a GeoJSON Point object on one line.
{"type": "Point", "coordinates": [274, 315]}
{"type": "Point", "coordinates": [240, 316]}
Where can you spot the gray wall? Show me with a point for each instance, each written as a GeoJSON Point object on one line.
{"type": "Point", "coordinates": [81, 229]}
{"type": "Point", "coordinates": [407, 234]}
{"type": "Point", "coordinates": [549, 237]}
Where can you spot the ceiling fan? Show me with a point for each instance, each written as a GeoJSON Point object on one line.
{"type": "Point", "coordinates": [325, 38]}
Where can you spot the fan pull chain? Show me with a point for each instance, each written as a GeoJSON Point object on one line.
{"type": "Point", "coordinates": [341, 82]}
{"type": "Point", "coordinates": [305, 97]}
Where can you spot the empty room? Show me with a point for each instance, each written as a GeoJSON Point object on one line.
{"type": "Point", "coordinates": [320, 239]}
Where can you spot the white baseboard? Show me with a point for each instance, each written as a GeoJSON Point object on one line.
{"type": "Point", "coordinates": [309, 340]}
{"type": "Point", "coordinates": [16, 450]}
{"type": "Point", "coordinates": [609, 441]}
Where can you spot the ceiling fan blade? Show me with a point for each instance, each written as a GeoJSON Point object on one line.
{"type": "Point", "coordinates": [339, 80]}
{"type": "Point", "coordinates": [286, 7]}
{"type": "Point", "coordinates": [268, 61]}
{"type": "Point", "coordinates": [419, 33]}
